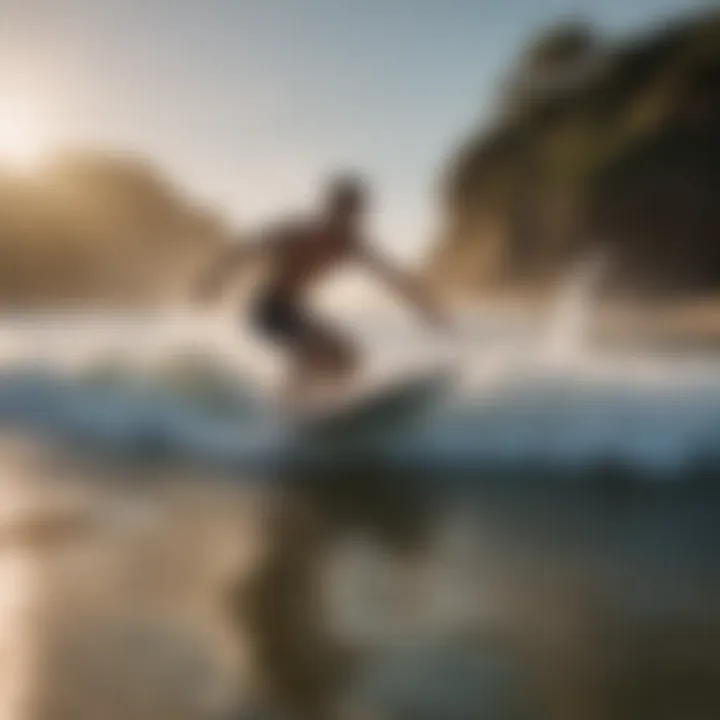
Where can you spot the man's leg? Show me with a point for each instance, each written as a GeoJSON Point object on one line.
{"type": "Point", "coordinates": [325, 361]}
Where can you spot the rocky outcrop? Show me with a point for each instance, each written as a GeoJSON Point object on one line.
{"type": "Point", "coordinates": [596, 146]}
{"type": "Point", "coordinates": [90, 229]}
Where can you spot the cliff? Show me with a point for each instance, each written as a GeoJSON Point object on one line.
{"type": "Point", "coordinates": [597, 146]}
{"type": "Point", "coordinates": [98, 230]}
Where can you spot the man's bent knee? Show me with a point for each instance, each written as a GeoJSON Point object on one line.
{"type": "Point", "coordinates": [335, 358]}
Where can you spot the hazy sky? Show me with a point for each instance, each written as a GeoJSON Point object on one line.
{"type": "Point", "coordinates": [248, 102]}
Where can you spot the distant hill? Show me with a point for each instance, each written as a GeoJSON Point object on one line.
{"type": "Point", "coordinates": [92, 230]}
{"type": "Point", "coordinates": [596, 145]}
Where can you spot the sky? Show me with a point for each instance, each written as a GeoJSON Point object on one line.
{"type": "Point", "coordinates": [247, 104]}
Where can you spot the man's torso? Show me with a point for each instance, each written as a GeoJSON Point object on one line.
{"type": "Point", "coordinates": [304, 253]}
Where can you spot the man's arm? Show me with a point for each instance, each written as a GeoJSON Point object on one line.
{"type": "Point", "coordinates": [219, 270]}
{"type": "Point", "coordinates": [405, 284]}
{"type": "Point", "coordinates": [231, 258]}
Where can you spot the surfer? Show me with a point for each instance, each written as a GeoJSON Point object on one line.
{"type": "Point", "coordinates": [299, 254]}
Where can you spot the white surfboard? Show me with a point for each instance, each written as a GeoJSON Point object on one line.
{"type": "Point", "coordinates": [374, 407]}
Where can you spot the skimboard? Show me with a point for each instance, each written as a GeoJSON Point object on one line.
{"type": "Point", "coordinates": [377, 406]}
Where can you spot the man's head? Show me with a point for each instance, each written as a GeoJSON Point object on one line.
{"type": "Point", "coordinates": [346, 198]}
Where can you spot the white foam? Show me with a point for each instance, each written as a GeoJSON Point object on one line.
{"type": "Point", "coordinates": [193, 389]}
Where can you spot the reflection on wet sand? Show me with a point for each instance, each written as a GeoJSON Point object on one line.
{"type": "Point", "coordinates": [119, 575]}
{"type": "Point", "coordinates": [142, 588]}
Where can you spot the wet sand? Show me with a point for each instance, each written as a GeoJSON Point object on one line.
{"type": "Point", "coordinates": [136, 588]}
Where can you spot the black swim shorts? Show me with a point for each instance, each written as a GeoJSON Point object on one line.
{"type": "Point", "coordinates": [280, 319]}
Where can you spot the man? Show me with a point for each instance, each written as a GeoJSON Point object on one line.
{"type": "Point", "coordinates": [299, 254]}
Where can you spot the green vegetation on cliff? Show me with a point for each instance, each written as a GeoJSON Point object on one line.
{"type": "Point", "coordinates": [597, 146]}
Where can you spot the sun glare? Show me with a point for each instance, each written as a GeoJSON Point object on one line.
{"type": "Point", "coordinates": [21, 145]}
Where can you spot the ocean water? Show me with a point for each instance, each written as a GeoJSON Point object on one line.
{"type": "Point", "coordinates": [519, 396]}
{"type": "Point", "coordinates": [541, 542]}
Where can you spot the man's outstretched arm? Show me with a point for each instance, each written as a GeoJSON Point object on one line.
{"type": "Point", "coordinates": [407, 285]}
{"type": "Point", "coordinates": [230, 260]}
{"type": "Point", "coordinates": [219, 270]}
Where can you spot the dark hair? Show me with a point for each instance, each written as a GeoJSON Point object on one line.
{"type": "Point", "coordinates": [347, 190]}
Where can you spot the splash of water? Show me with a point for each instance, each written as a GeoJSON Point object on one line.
{"type": "Point", "coordinates": [566, 336]}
